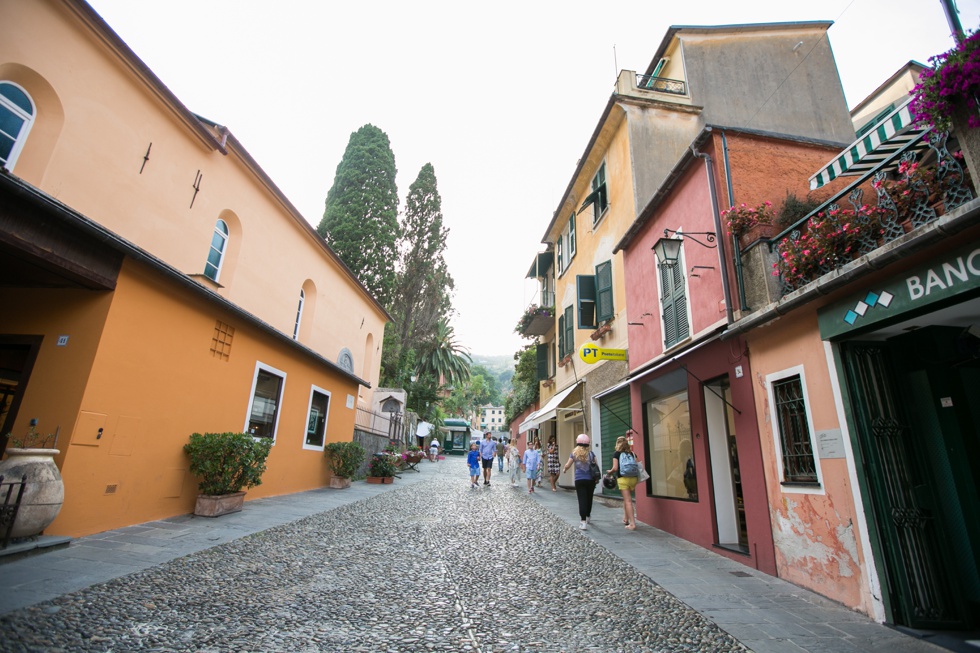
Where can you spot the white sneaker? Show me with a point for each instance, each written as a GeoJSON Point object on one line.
{"type": "Point", "coordinates": [583, 525]}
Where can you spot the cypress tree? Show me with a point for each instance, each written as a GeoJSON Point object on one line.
{"type": "Point", "coordinates": [360, 222]}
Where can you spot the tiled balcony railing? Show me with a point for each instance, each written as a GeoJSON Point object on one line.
{"type": "Point", "coordinates": [926, 181]}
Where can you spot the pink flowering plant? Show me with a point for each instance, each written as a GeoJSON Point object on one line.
{"type": "Point", "coordinates": [831, 239]}
{"type": "Point", "coordinates": [741, 218]}
{"type": "Point", "coordinates": [953, 79]}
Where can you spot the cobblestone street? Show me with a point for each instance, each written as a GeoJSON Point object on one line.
{"type": "Point", "coordinates": [429, 566]}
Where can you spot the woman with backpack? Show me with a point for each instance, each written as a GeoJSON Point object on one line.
{"type": "Point", "coordinates": [582, 457]}
{"type": "Point", "coordinates": [626, 469]}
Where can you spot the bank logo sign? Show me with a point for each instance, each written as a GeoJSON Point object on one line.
{"type": "Point", "coordinates": [872, 300]}
{"type": "Point", "coordinates": [950, 274]}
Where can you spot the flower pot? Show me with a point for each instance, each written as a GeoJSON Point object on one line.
{"type": "Point", "coordinates": [219, 504]}
{"type": "Point", "coordinates": [44, 492]}
{"type": "Point", "coordinates": [339, 482]}
{"type": "Point", "coordinates": [758, 232]}
{"type": "Point", "coordinates": [380, 479]}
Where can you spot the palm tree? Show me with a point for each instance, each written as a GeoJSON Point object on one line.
{"type": "Point", "coordinates": [444, 358]}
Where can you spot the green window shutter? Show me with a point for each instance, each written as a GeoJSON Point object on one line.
{"type": "Point", "coordinates": [604, 292]}
{"type": "Point", "coordinates": [541, 358]}
{"type": "Point", "coordinates": [569, 331]}
{"type": "Point", "coordinates": [586, 301]}
{"type": "Point", "coordinates": [674, 304]}
{"type": "Point", "coordinates": [561, 337]}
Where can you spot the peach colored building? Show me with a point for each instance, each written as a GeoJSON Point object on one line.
{"type": "Point", "coordinates": [157, 283]}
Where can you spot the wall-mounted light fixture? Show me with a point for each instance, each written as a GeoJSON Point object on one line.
{"type": "Point", "coordinates": [668, 249]}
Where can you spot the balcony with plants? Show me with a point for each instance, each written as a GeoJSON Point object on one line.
{"type": "Point", "coordinates": [884, 211]}
{"type": "Point", "coordinates": [537, 320]}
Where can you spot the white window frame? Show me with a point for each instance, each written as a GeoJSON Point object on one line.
{"type": "Point", "coordinates": [225, 236]}
{"type": "Point", "coordinates": [262, 367]}
{"type": "Point", "coordinates": [777, 438]}
{"type": "Point", "coordinates": [25, 127]}
{"type": "Point", "coordinates": [326, 418]}
{"type": "Point", "coordinates": [299, 313]}
{"type": "Point", "coordinates": [566, 246]}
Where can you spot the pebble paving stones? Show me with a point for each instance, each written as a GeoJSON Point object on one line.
{"type": "Point", "coordinates": [432, 567]}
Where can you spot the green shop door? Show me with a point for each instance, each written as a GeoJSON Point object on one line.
{"type": "Point", "coordinates": [914, 403]}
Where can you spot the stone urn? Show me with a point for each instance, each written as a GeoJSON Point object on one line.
{"type": "Point", "coordinates": [44, 491]}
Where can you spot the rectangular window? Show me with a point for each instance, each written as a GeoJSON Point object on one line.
{"type": "Point", "coordinates": [585, 284]}
{"type": "Point", "coordinates": [793, 425]}
{"type": "Point", "coordinates": [673, 301]}
{"type": "Point", "coordinates": [604, 292]}
{"type": "Point", "coordinates": [570, 230]}
{"type": "Point", "coordinates": [561, 336]}
{"type": "Point", "coordinates": [263, 409]}
{"type": "Point", "coordinates": [541, 358]}
{"type": "Point", "coordinates": [569, 331]}
{"type": "Point", "coordinates": [559, 256]}
{"type": "Point", "coordinates": [669, 440]}
{"type": "Point", "coordinates": [600, 196]}
{"type": "Point", "coordinates": [316, 419]}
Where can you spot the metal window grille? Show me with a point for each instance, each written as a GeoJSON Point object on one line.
{"type": "Point", "coordinates": [799, 465]}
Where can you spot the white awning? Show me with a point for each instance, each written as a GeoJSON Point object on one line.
{"type": "Point", "coordinates": [888, 135]}
{"type": "Point", "coordinates": [549, 410]}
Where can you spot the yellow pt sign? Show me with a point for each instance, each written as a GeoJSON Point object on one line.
{"type": "Point", "coordinates": [590, 354]}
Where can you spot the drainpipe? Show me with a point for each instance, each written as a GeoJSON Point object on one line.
{"type": "Point", "coordinates": [731, 202]}
{"type": "Point", "coordinates": [718, 236]}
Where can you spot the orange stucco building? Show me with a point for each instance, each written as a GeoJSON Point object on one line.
{"type": "Point", "coordinates": [156, 283]}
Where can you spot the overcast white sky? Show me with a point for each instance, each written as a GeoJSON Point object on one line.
{"type": "Point", "coordinates": [500, 97]}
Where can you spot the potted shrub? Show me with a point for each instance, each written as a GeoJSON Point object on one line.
{"type": "Point", "coordinates": [228, 464]}
{"type": "Point", "coordinates": [381, 469]}
{"type": "Point", "coordinates": [31, 458]}
{"type": "Point", "coordinates": [345, 459]}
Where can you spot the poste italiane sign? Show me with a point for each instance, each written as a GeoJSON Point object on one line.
{"type": "Point", "coordinates": [592, 354]}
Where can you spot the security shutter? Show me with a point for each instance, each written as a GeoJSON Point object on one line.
{"type": "Point", "coordinates": [615, 417]}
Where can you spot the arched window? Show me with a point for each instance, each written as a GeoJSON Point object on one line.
{"type": "Point", "coordinates": [299, 314]}
{"type": "Point", "coordinates": [16, 118]}
{"type": "Point", "coordinates": [218, 243]}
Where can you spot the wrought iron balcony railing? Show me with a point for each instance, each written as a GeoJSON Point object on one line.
{"type": "Point", "coordinates": [661, 84]}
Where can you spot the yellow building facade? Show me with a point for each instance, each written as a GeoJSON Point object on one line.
{"type": "Point", "coordinates": [157, 283]}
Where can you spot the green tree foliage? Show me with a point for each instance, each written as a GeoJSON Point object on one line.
{"type": "Point", "coordinates": [424, 286]}
{"type": "Point", "coordinates": [443, 358]}
{"type": "Point", "coordinates": [524, 383]}
{"type": "Point", "coordinates": [491, 394]}
{"type": "Point", "coordinates": [360, 222]}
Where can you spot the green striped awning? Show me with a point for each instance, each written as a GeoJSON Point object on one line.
{"type": "Point", "coordinates": [890, 133]}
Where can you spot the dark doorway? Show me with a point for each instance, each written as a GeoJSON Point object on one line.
{"type": "Point", "coordinates": [17, 356]}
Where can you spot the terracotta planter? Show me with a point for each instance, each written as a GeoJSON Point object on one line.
{"type": "Point", "coordinates": [758, 232]}
{"type": "Point", "coordinates": [339, 482]}
{"type": "Point", "coordinates": [221, 504]}
{"type": "Point", "coordinates": [380, 479]}
{"type": "Point", "coordinates": [44, 492]}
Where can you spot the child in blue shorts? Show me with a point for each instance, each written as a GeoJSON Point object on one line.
{"type": "Point", "coordinates": [473, 460]}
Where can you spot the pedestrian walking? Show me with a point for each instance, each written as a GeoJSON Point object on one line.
{"type": "Point", "coordinates": [473, 460]}
{"type": "Point", "coordinates": [488, 451]}
{"type": "Point", "coordinates": [581, 457]}
{"type": "Point", "coordinates": [626, 469]}
{"type": "Point", "coordinates": [531, 464]}
{"type": "Point", "coordinates": [501, 450]}
{"type": "Point", "coordinates": [513, 462]}
{"type": "Point", "coordinates": [554, 464]}
{"type": "Point", "coordinates": [434, 450]}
